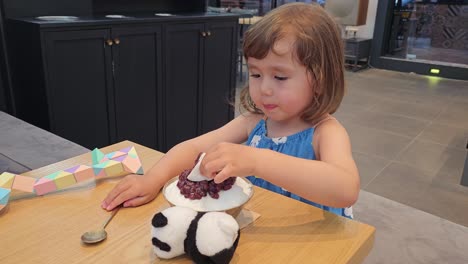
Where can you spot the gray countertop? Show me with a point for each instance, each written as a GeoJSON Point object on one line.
{"type": "Point", "coordinates": [129, 18]}
{"type": "Point", "coordinates": [24, 147]}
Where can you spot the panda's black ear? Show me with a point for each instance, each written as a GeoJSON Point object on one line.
{"type": "Point", "coordinates": [159, 220]}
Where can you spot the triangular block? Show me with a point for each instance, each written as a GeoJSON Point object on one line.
{"type": "Point", "coordinates": [4, 196]}
{"type": "Point", "coordinates": [99, 169]}
{"type": "Point", "coordinates": [114, 168]}
{"type": "Point", "coordinates": [132, 152]}
{"type": "Point", "coordinates": [64, 179]}
{"type": "Point", "coordinates": [23, 183]}
{"type": "Point", "coordinates": [110, 155]}
{"type": "Point", "coordinates": [83, 173]}
{"type": "Point", "coordinates": [6, 180]}
{"type": "Point", "coordinates": [127, 149]}
{"type": "Point", "coordinates": [97, 156]}
{"type": "Point", "coordinates": [140, 171]}
{"type": "Point", "coordinates": [52, 175]}
{"type": "Point", "coordinates": [44, 185]}
{"type": "Point", "coordinates": [121, 158]}
{"type": "Point", "coordinates": [115, 154]}
{"type": "Point", "coordinates": [131, 165]}
{"type": "Point", "coordinates": [73, 169]}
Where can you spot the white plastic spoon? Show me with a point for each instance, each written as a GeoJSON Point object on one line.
{"type": "Point", "coordinates": [195, 174]}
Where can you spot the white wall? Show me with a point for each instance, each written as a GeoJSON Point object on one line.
{"type": "Point", "coordinates": [367, 30]}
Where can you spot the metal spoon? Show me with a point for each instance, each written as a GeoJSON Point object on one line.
{"type": "Point", "coordinates": [99, 235]}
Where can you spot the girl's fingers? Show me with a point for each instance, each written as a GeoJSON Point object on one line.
{"type": "Point", "coordinates": [137, 201]}
{"type": "Point", "coordinates": [222, 175]}
{"type": "Point", "coordinates": [120, 198]}
{"type": "Point", "coordinates": [211, 168]}
{"type": "Point", "coordinates": [121, 187]}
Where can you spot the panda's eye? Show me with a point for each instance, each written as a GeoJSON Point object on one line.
{"type": "Point", "coordinates": [159, 220]}
{"type": "Point", "coordinates": [161, 245]}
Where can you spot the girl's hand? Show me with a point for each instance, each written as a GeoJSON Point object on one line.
{"type": "Point", "coordinates": [225, 160]}
{"type": "Point", "coordinates": [133, 190]}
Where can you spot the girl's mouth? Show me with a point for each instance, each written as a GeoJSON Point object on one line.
{"type": "Point", "coordinates": [269, 107]}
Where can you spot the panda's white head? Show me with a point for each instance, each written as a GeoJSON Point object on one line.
{"type": "Point", "coordinates": [205, 237]}
{"type": "Point", "coordinates": [170, 230]}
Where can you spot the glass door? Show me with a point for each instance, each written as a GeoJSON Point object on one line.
{"type": "Point", "coordinates": [430, 31]}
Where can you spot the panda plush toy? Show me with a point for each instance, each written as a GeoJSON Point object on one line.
{"type": "Point", "coordinates": [206, 238]}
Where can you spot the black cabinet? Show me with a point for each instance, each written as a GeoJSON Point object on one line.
{"type": "Point", "coordinates": [102, 84]}
{"type": "Point", "coordinates": [137, 81]}
{"type": "Point", "coordinates": [78, 71]}
{"type": "Point", "coordinates": [93, 86]}
{"type": "Point", "coordinates": [155, 83]}
{"type": "Point", "coordinates": [200, 78]}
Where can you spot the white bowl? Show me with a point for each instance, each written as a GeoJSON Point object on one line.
{"type": "Point", "coordinates": [230, 201]}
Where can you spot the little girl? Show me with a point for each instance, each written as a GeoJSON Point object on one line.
{"type": "Point", "coordinates": [294, 146]}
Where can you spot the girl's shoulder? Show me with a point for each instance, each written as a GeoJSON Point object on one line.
{"type": "Point", "coordinates": [250, 120]}
{"type": "Point", "coordinates": [329, 132]}
{"type": "Point", "coordinates": [328, 125]}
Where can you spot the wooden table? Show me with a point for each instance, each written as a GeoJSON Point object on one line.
{"type": "Point", "coordinates": [47, 229]}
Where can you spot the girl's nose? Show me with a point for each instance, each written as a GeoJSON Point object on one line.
{"type": "Point", "coordinates": [265, 87]}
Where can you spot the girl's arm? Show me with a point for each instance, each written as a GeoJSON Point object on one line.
{"type": "Point", "coordinates": [331, 180]}
{"type": "Point", "coordinates": [135, 190]}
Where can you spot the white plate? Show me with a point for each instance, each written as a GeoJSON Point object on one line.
{"type": "Point", "coordinates": [163, 14]}
{"type": "Point", "coordinates": [57, 18]}
{"type": "Point", "coordinates": [116, 16]}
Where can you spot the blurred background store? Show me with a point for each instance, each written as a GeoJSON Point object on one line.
{"type": "Point", "coordinates": [430, 31]}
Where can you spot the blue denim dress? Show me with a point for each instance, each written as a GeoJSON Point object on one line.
{"type": "Point", "coordinates": [297, 145]}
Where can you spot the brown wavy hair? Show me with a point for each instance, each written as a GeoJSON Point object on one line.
{"type": "Point", "coordinates": [318, 46]}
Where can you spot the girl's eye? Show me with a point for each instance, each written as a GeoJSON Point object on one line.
{"type": "Point", "coordinates": [280, 78]}
{"type": "Point", "coordinates": [255, 75]}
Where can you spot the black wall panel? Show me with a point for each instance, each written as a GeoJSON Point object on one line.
{"type": "Point", "coordinates": [31, 8]}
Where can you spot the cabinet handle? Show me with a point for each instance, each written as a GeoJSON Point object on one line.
{"type": "Point", "coordinates": [109, 42]}
{"type": "Point", "coordinates": [208, 33]}
{"type": "Point", "coordinates": [117, 41]}
{"type": "Point", "coordinates": [203, 34]}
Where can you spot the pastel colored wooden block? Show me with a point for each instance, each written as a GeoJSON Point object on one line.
{"type": "Point", "coordinates": [23, 183]}
{"type": "Point", "coordinates": [64, 179]}
{"type": "Point", "coordinates": [6, 180]}
{"type": "Point", "coordinates": [99, 171]}
{"type": "Point", "coordinates": [121, 158]}
{"type": "Point", "coordinates": [4, 196]}
{"type": "Point", "coordinates": [115, 154]}
{"type": "Point", "coordinates": [132, 165]}
{"type": "Point", "coordinates": [132, 153]}
{"type": "Point", "coordinates": [114, 168]}
{"type": "Point", "coordinates": [127, 149]}
{"type": "Point", "coordinates": [83, 173]}
{"type": "Point", "coordinates": [97, 156]}
{"type": "Point", "coordinates": [44, 185]}
{"type": "Point", "coordinates": [52, 175]}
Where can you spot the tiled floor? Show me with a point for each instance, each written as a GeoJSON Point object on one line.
{"type": "Point", "coordinates": [409, 136]}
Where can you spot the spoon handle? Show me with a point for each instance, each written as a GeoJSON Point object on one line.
{"type": "Point", "coordinates": [111, 216]}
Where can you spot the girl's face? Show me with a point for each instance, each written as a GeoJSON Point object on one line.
{"type": "Point", "coordinates": [279, 85]}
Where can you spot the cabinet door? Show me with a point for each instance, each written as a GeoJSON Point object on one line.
{"type": "Point", "coordinates": [78, 70]}
{"type": "Point", "coordinates": [137, 65]}
{"type": "Point", "coordinates": [219, 75]}
{"type": "Point", "coordinates": [183, 71]}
